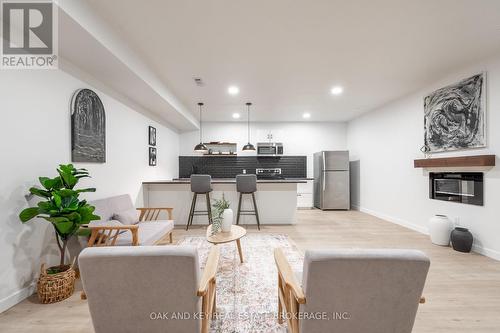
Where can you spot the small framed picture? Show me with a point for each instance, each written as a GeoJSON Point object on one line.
{"type": "Point", "coordinates": [152, 156]}
{"type": "Point", "coordinates": [152, 136]}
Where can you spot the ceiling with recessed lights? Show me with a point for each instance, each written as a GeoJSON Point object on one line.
{"type": "Point", "coordinates": [330, 59]}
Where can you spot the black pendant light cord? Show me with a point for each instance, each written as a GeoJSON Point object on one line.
{"type": "Point", "coordinates": [201, 147]}
{"type": "Point", "coordinates": [201, 122]}
{"type": "Point", "coordinates": [248, 121]}
{"type": "Point", "coordinates": [248, 146]}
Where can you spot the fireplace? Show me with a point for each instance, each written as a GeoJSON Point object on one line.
{"type": "Point", "coordinates": [462, 187]}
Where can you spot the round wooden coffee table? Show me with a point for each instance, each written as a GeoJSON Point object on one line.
{"type": "Point", "coordinates": [225, 237]}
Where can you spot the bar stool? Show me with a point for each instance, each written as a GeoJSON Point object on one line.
{"type": "Point", "coordinates": [247, 184]}
{"type": "Point", "coordinates": [200, 184]}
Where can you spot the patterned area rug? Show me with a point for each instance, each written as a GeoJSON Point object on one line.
{"type": "Point", "coordinates": [247, 294]}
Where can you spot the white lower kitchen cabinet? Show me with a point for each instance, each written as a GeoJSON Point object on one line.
{"type": "Point", "coordinates": [305, 195]}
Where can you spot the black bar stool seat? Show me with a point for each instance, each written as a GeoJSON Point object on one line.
{"type": "Point", "coordinates": [247, 184]}
{"type": "Point", "coordinates": [200, 184]}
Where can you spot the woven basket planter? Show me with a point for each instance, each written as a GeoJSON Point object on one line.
{"type": "Point", "coordinates": [52, 288]}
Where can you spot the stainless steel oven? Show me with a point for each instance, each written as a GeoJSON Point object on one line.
{"type": "Point", "coordinates": [269, 173]}
{"type": "Point", "coordinates": [269, 148]}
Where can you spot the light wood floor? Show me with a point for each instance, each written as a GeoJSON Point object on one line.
{"type": "Point", "coordinates": [462, 290]}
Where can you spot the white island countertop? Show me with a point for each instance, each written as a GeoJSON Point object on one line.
{"type": "Point", "coordinates": [276, 199]}
{"type": "Point", "coordinates": [229, 181]}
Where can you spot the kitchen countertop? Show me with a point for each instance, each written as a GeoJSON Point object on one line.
{"type": "Point", "coordinates": [230, 181]}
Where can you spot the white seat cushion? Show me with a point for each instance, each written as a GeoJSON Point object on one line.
{"type": "Point", "coordinates": [128, 216]}
{"type": "Point", "coordinates": [105, 208]}
{"type": "Point", "coordinates": [149, 232]}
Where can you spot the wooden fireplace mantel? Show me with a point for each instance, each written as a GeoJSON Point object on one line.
{"type": "Point", "coordinates": [459, 161]}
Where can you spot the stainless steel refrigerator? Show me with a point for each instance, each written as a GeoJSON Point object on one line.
{"type": "Point", "coordinates": [331, 180]}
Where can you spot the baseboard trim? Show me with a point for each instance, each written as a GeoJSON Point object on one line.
{"type": "Point", "coordinates": [17, 297]}
{"type": "Point", "coordinates": [486, 252]}
{"type": "Point", "coordinates": [395, 220]}
{"type": "Point", "coordinates": [475, 248]}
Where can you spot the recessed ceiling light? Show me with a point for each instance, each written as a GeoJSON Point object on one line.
{"type": "Point", "coordinates": [337, 90]}
{"type": "Point", "coordinates": [306, 115]}
{"type": "Point", "coordinates": [233, 90]}
{"type": "Point", "coordinates": [236, 115]}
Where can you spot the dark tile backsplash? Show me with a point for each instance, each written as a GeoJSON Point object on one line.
{"type": "Point", "coordinates": [229, 167]}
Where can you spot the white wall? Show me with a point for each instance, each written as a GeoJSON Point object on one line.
{"type": "Point", "coordinates": [384, 143]}
{"type": "Point", "coordinates": [298, 138]}
{"type": "Point", "coordinates": [35, 138]}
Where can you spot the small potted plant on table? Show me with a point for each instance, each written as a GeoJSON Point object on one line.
{"type": "Point", "coordinates": [222, 216]}
{"type": "Point", "coordinates": [62, 207]}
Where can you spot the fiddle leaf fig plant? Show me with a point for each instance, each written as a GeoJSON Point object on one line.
{"type": "Point", "coordinates": [61, 205]}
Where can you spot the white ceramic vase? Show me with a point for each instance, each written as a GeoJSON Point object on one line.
{"type": "Point", "coordinates": [227, 220]}
{"type": "Point", "coordinates": [440, 228]}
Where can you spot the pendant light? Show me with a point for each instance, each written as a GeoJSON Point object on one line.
{"type": "Point", "coordinates": [200, 147]}
{"type": "Point", "coordinates": [248, 146]}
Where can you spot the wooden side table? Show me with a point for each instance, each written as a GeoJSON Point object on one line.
{"type": "Point", "coordinates": [225, 237]}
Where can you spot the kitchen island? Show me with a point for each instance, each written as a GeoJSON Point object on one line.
{"type": "Point", "coordinates": [276, 199]}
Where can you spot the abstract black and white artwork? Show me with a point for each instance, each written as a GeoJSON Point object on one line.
{"type": "Point", "coordinates": [88, 127]}
{"type": "Point", "coordinates": [152, 156]}
{"type": "Point", "coordinates": [152, 136]}
{"type": "Point", "coordinates": [455, 116]}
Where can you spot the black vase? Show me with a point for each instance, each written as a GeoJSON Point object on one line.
{"type": "Point", "coordinates": [461, 239]}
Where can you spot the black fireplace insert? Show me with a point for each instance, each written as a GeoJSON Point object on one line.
{"type": "Point", "coordinates": [462, 187]}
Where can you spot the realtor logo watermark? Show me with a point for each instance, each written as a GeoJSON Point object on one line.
{"type": "Point", "coordinates": [29, 35]}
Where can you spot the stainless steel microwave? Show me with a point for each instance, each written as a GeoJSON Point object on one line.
{"type": "Point", "coordinates": [269, 148]}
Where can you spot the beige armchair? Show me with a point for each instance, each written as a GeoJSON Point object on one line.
{"type": "Point", "coordinates": [351, 291]}
{"type": "Point", "coordinates": [151, 229]}
{"type": "Point", "coordinates": [149, 288]}
{"type": "Point", "coordinates": [134, 234]}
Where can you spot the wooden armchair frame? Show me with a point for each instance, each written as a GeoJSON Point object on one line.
{"type": "Point", "coordinates": [207, 289]}
{"type": "Point", "coordinates": [290, 293]}
{"type": "Point", "coordinates": [107, 235]}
